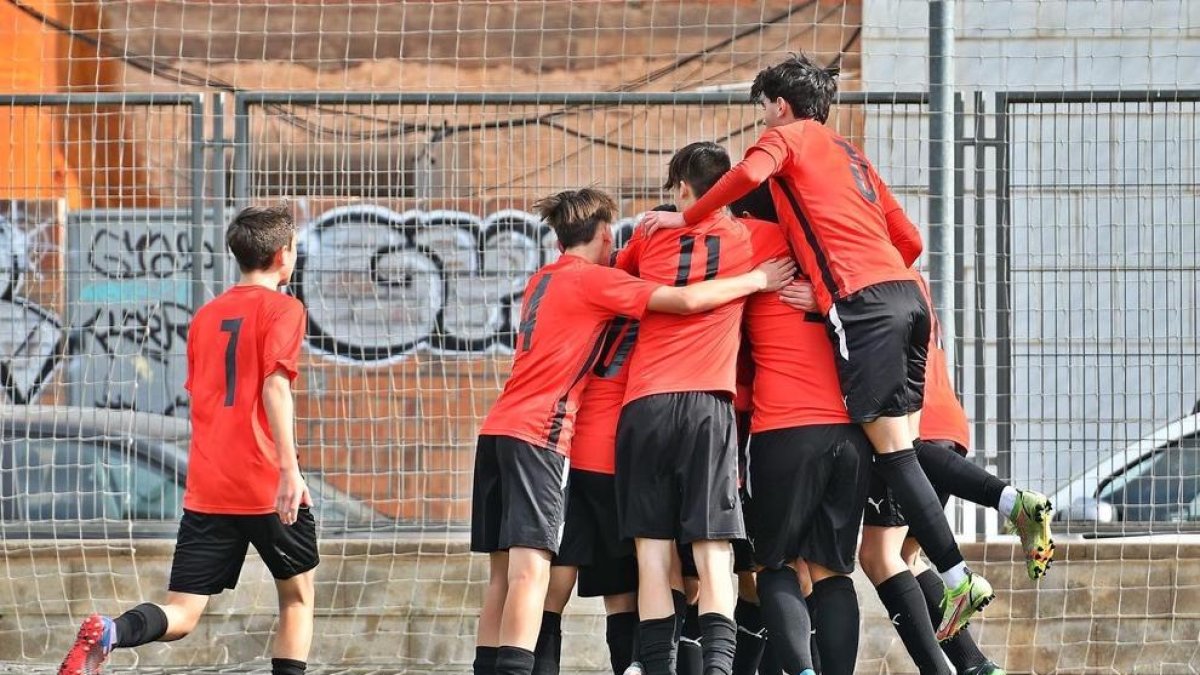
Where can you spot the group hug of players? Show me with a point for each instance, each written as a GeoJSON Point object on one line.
{"type": "Point", "coordinates": [611, 459]}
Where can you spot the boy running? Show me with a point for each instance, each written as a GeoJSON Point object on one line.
{"type": "Point", "coordinates": [243, 484]}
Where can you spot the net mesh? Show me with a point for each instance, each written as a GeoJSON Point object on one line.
{"type": "Point", "coordinates": [130, 130]}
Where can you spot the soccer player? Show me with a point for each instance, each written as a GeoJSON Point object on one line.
{"type": "Point", "coordinates": [520, 474]}
{"type": "Point", "coordinates": [855, 245]}
{"type": "Point", "coordinates": [676, 441]}
{"type": "Point", "coordinates": [592, 551]}
{"type": "Point", "coordinates": [808, 471]}
{"type": "Point", "coordinates": [243, 484]}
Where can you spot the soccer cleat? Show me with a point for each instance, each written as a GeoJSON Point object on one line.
{"type": "Point", "coordinates": [987, 668]}
{"type": "Point", "coordinates": [92, 645]}
{"type": "Point", "coordinates": [635, 668]}
{"type": "Point", "coordinates": [962, 602]}
{"type": "Point", "coordinates": [1030, 520]}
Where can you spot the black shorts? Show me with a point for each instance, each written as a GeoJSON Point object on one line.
{"type": "Point", "coordinates": [881, 342]}
{"type": "Point", "coordinates": [805, 494]}
{"type": "Point", "coordinates": [591, 540]}
{"type": "Point", "coordinates": [743, 558]}
{"type": "Point", "coordinates": [677, 468]}
{"type": "Point", "coordinates": [211, 548]}
{"type": "Point", "coordinates": [882, 509]}
{"type": "Point", "coordinates": [519, 496]}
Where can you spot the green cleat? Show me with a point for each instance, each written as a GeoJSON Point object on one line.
{"type": "Point", "coordinates": [962, 602]}
{"type": "Point", "coordinates": [1030, 520]}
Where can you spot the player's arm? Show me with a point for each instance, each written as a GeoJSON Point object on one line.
{"type": "Point", "coordinates": [905, 235]}
{"type": "Point", "coordinates": [281, 351]}
{"type": "Point", "coordinates": [707, 295]}
{"type": "Point", "coordinates": [280, 409]}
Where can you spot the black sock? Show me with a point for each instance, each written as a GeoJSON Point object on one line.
{"type": "Point", "coordinates": [514, 661]}
{"type": "Point", "coordinates": [961, 649]}
{"type": "Point", "coordinates": [769, 665]}
{"type": "Point", "coordinates": [141, 625]}
{"type": "Point", "coordinates": [619, 630]}
{"type": "Point", "coordinates": [288, 667]}
{"type": "Point", "coordinates": [485, 661]}
{"type": "Point", "coordinates": [954, 474]}
{"type": "Point", "coordinates": [548, 651]}
{"type": "Point", "coordinates": [657, 645]}
{"type": "Point", "coordinates": [905, 605]}
{"type": "Point", "coordinates": [750, 637]}
{"type": "Point", "coordinates": [719, 640]}
{"type": "Point", "coordinates": [920, 506]}
{"type": "Point", "coordinates": [679, 600]}
{"type": "Point", "coordinates": [691, 622]}
{"type": "Point", "coordinates": [691, 654]}
{"type": "Point", "coordinates": [834, 606]}
{"type": "Point", "coordinates": [786, 617]}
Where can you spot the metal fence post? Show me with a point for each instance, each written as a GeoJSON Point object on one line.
{"type": "Point", "coordinates": [941, 154]}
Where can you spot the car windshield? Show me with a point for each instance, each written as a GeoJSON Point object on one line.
{"type": "Point", "coordinates": [47, 479]}
{"type": "Point", "coordinates": [1164, 487]}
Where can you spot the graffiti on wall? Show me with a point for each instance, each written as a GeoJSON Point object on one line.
{"type": "Point", "coordinates": [133, 309]}
{"type": "Point", "coordinates": [379, 284]}
{"type": "Point", "coordinates": [31, 336]}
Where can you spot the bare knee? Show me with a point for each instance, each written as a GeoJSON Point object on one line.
{"type": "Point", "coordinates": [296, 592]}
{"type": "Point", "coordinates": [531, 569]}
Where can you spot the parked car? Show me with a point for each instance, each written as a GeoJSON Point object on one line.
{"type": "Point", "coordinates": [1149, 487]}
{"type": "Point", "coordinates": [70, 472]}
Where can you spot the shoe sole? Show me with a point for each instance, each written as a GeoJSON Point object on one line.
{"type": "Point", "coordinates": [1038, 562]}
{"type": "Point", "coordinates": [88, 637]}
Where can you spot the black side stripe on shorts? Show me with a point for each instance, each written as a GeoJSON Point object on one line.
{"type": "Point", "coordinates": [811, 237]}
{"type": "Point", "coordinates": [560, 408]}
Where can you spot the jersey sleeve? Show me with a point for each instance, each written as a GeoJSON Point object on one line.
{"type": "Point", "coordinates": [284, 334]}
{"type": "Point", "coordinates": [191, 359]}
{"type": "Point", "coordinates": [614, 293]}
{"type": "Point", "coordinates": [905, 235]}
{"type": "Point", "coordinates": [762, 161]}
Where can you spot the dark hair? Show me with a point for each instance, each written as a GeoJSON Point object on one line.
{"type": "Point", "coordinates": [757, 204]}
{"type": "Point", "coordinates": [700, 165]}
{"type": "Point", "coordinates": [257, 233]}
{"type": "Point", "coordinates": [576, 215]}
{"type": "Point", "coordinates": [807, 87]}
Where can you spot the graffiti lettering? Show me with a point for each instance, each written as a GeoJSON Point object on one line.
{"type": "Point", "coordinates": [134, 357]}
{"type": "Point", "coordinates": [31, 337]}
{"type": "Point", "coordinates": [129, 255]}
{"type": "Point", "coordinates": [379, 284]}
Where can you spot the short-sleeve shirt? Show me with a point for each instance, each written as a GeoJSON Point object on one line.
{"type": "Point", "coordinates": [234, 343]}
{"type": "Point", "coordinates": [795, 377]}
{"type": "Point", "coordinates": [834, 208]}
{"type": "Point", "coordinates": [696, 352]}
{"type": "Point", "coordinates": [566, 307]}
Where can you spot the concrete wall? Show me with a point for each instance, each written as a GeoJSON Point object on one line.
{"type": "Point", "coordinates": [1105, 607]}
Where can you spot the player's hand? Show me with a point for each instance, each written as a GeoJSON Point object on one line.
{"type": "Point", "coordinates": [778, 272]}
{"type": "Point", "coordinates": [799, 296]}
{"type": "Point", "coordinates": [292, 492]}
{"type": "Point", "coordinates": [653, 220]}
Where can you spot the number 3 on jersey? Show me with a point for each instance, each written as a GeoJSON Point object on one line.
{"type": "Point", "coordinates": [712, 262]}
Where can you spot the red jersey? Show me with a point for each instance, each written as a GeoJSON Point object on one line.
{"type": "Point", "coordinates": [942, 415]}
{"type": "Point", "coordinates": [595, 443]}
{"type": "Point", "coordinates": [745, 378]}
{"type": "Point", "coordinates": [566, 307]}
{"type": "Point", "coordinates": [234, 343]}
{"type": "Point", "coordinates": [844, 225]}
{"type": "Point", "coordinates": [697, 352]}
{"type": "Point", "coordinates": [795, 378]}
